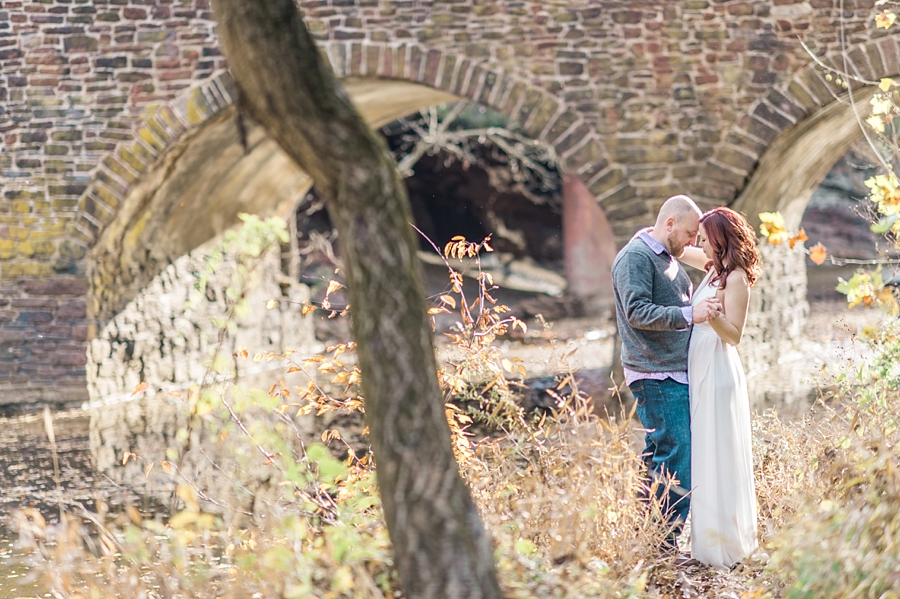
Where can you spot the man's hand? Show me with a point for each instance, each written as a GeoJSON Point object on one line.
{"type": "Point", "coordinates": [706, 309]}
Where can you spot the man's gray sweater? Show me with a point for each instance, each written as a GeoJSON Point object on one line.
{"type": "Point", "coordinates": [651, 290]}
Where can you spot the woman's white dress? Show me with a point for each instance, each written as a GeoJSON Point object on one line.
{"type": "Point", "coordinates": [723, 500]}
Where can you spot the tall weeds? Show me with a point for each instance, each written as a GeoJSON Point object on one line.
{"type": "Point", "coordinates": [301, 517]}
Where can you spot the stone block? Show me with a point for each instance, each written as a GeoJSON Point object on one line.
{"type": "Point", "coordinates": [67, 135]}
{"type": "Point", "coordinates": [859, 63]}
{"type": "Point", "coordinates": [541, 116]}
{"type": "Point", "coordinates": [736, 159]}
{"type": "Point", "coordinates": [889, 54]}
{"type": "Point", "coordinates": [627, 16]}
{"type": "Point", "coordinates": [489, 80]}
{"type": "Point", "coordinates": [616, 196]}
{"type": "Point", "coordinates": [113, 165]}
{"type": "Point", "coordinates": [33, 137]}
{"type": "Point", "coordinates": [68, 189]}
{"type": "Point", "coordinates": [874, 56]}
{"type": "Point", "coordinates": [30, 317]}
{"type": "Point", "coordinates": [767, 113]}
{"type": "Point", "coordinates": [432, 67]}
{"type": "Point", "coordinates": [761, 130]}
{"type": "Point", "coordinates": [447, 71]}
{"type": "Point", "coordinates": [513, 97]}
{"type": "Point", "coordinates": [813, 82]}
{"type": "Point", "coordinates": [72, 310]}
{"type": "Point", "coordinates": [155, 35]}
{"type": "Point", "coordinates": [371, 59]}
{"type": "Point", "coordinates": [570, 69]}
{"type": "Point", "coordinates": [646, 155]}
{"type": "Point", "coordinates": [112, 62]}
{"type": "Point", "coordinates": [802, 96]}
{"type": "Point", "coordinates": [715, 172]}
{"type": "Point", "coordinates": [80, 43]}
{"type": "Point", "coordinates": [606, 181]}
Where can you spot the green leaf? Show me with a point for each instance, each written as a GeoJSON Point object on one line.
{"type": "Point", "coordinates": [884, 225]}
{"type": "Point", "coordinates": [525, 547]}
{"type": "Point", "coordinates": [329, 468]}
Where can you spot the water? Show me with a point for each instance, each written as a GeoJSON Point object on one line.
{"type": "Point", "coordinates": [28, 481]}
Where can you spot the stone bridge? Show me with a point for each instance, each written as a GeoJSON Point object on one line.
{"type": "Point", "coordinates": [120, 156]}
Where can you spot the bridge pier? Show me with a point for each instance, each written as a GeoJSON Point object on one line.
{"type": "Point", "coordinates": [158, 339]}
{"type": "Point", "coordinates": [589, 247]}
{"type": "Point", "coordinates": [778, 308]}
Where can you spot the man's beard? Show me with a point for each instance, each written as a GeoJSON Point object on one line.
{"type": "Point", "coordinates": [674, 249]}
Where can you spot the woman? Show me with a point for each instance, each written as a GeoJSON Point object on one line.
{"type": "Point", "coordinates": [723, 499]}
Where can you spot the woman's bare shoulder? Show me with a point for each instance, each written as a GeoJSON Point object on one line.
{"type": "Point", "coordinates": [738, 276]}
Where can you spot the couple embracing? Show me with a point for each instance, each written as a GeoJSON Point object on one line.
{"type": "Point", "coordinates": [681, 364]}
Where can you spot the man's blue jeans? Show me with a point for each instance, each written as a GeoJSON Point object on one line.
{"type": "Point", "coordinates": [664, 408]}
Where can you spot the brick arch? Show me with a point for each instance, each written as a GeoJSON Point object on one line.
{"type": "Point", "coordinates": [165, 130]}
{"type": "Point", "coordinates": [542, 115]}
{"type": "Point", "coordinates": [160, 128]}
{"type": "Point", "coordinates": [759, 162]}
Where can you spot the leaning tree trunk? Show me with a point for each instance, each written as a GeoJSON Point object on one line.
{"type": "Point", "coordinates": [441, 548]}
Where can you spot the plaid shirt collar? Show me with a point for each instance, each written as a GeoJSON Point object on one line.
{"type": "Point", "coordinates": [653, 244]}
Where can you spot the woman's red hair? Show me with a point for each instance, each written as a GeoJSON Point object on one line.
{"type": "Point", "coordinates": [733, 243]}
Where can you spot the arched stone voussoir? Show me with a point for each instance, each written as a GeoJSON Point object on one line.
{"type": "Point", "coordinates": [760, 157]}
{"type": "Point", "coordinates": [541, 114]}
{"type": "Point", "coordinates": [160, 128]}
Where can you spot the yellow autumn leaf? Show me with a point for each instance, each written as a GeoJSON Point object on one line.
{"type": "Point", "coordinates": [772, 227]}
{"type": "Point", "coordinates": [332, 287]}
{"type": "Point", "coordinates": [885, 19]}
{"type": "Point", "coordinates": [818, 253]}
{"type": "Point", "coordinates": [885, 84]}
{"type": "Point", "coordinates": [876, 123]}
{"type": "Point", "coordinates": [141, 387]}
{"type": "Point", "coordinates": [271, 304]}
{"type": "Point", "coordinates": [881, 104]}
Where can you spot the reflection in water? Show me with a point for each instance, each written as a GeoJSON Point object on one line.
{"type": "Point", "coordinates": [27, 480]}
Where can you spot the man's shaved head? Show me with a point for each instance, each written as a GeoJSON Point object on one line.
{"type": "Point", "coordinates": [677, 207]}
{"type": "Point", "coordinates": [677, 224]}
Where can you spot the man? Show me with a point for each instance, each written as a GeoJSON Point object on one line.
{"type": "Point", "coordinates": [654, 314]}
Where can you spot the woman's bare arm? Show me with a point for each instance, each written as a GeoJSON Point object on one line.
{"type": "Point", "coordinates": [730, 324]}
{"type": "Point", "coordinates": [694, 256]}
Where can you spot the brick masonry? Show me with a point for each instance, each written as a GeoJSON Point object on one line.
{"type": "Point", "coordinates": [641, 99]}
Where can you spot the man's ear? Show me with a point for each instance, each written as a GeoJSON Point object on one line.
{"type": "Point", "coordinates": [670, 224]}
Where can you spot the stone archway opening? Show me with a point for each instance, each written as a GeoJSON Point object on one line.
{"type": "Point", "coordinates": [473, 192]}
{"type": "Point", "coordinates": [789, 179]}
{"type": "Point", "coordinates": [839, 216]}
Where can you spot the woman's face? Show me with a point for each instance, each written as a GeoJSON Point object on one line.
{"type": "Point", "coordinates": [705, 245]}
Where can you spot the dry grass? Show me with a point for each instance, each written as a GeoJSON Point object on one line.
{"type": "Point", "coordinates": [559, 494]}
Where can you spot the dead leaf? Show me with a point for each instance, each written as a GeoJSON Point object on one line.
{"type": "Point", "coordinates": [818, 253]}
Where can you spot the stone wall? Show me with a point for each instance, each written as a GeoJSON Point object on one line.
{"type": "Point", "coordinates": [778, 310]}
{"type": "Point", "coordinates": [43, 327]}
{"type": "Point", "coordinates": [158, 339]}
{"type": "Point", "coordinates": [640, 99]}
